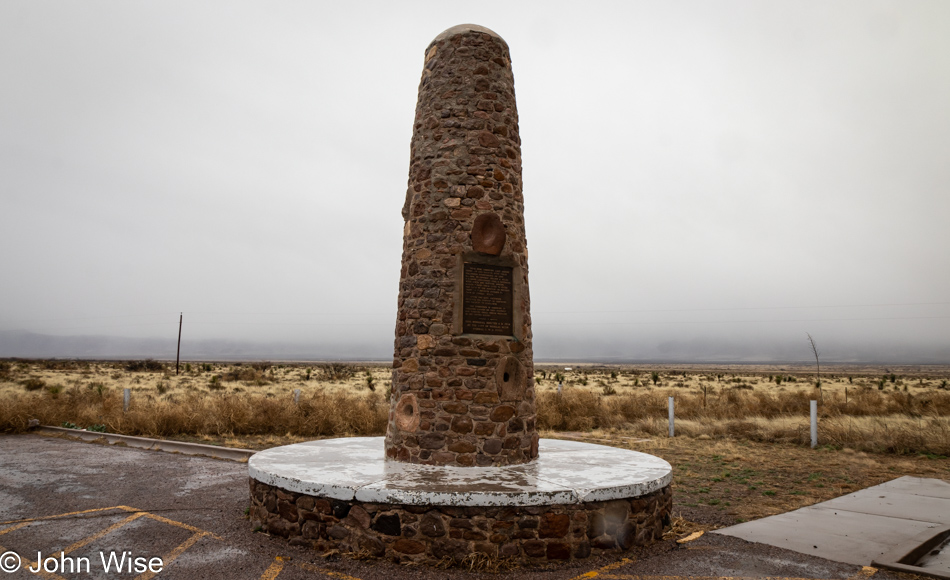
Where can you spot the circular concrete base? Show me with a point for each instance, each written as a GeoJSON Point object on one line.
{"type": "Point", "coordinates": [566, 472]}
{"type": "Point", "coordinates": [574, 501]}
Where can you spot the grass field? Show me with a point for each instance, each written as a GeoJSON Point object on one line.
{"type": "Point", "coordinates": [741, 452]}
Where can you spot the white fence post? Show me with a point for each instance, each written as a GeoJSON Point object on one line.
{"type": "Point", "coordinates": [296, 396]}
{"type": "Point", "coordinates": [126, 398]}
{"type": "Point", "coordinates": [814, 424]}
{"type": "Point", "coordinates": [671, 416]}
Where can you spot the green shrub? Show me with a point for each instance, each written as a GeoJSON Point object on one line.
{"type": "Point", "coordinates": [336, 371]}
{"type": "Point", "coordinates": [141, 366]}
{"type": "Point", "coordinates": [33, 384]}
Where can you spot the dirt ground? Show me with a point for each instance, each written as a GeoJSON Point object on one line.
{"type": "Point", "coordinates": [718, 483]}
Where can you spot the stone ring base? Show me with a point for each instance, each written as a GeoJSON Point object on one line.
{"type": "Point", "coordinates": [576, 500]}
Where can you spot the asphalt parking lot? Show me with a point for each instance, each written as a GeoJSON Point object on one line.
{"type": "Point", "coordinates": [70, 509]}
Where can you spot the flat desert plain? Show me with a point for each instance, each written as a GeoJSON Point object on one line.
{"type": "Point", "coordinates": [741, 448]}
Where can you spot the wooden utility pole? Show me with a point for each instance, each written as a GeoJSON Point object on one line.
{"type": "Point", "coordinates": [178, 354]}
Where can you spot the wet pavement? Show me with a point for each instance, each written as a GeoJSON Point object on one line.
{"type": "Point", "coordinates": [66, 504]}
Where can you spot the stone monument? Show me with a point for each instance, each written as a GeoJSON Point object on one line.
{"type": "Point", "coordinates": [461, 472]}
{"type": "Point", "coordinates": [463, 387]}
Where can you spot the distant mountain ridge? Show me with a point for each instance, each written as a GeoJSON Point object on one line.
{"type": "Point", "coordinates": [24, 344]}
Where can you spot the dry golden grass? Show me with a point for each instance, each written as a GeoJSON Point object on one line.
{"type": "Point", "coordinates": [260, 377]}
{"type": "Point", "coordinates": [719, 482]}
{"type": "Point", "coordinates": [879, 410]}
{"type": "Point", "coordinates": [210, 400]}
{"type": "Point", "coordinates": [870, 421]}
{"type": "Point", "coordinates": [900, 410]}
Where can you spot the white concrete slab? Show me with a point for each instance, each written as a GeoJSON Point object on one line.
{"type": "Point", "coordinates": [919, 486]}
{"type": "Point", "coordinates": [229, 453]}
{"type": "Point", "coordinates": [841, 536]}
{"type": "Point", "coordinates": [859, 527]}
{"type": "Point", "coordinates": [893, 503]}
{"type": "Point", "coordinates": [355, 468]}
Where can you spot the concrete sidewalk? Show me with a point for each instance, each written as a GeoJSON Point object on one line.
{"type": "Point", "coordinates": [151, 444]}
{"type": "Point", "coordinates": [862, 527]}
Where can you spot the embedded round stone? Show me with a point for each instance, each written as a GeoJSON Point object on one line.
{"type": "Point", "coordinates": [407, 413]}
{"type": "Point", "coordinates": [488, 234]}
{"type": "Point", "coordinates": [510, 378]}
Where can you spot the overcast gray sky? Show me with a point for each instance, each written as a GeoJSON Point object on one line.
{"type": "Point", "coordinates": [706, 179]}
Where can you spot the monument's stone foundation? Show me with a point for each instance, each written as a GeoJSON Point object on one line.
{"type": "Point", "coordinates": [432, 534]}
{"type": "Point", "coordinates": [463, 387]}
{"type": "Point", "coordinates": [576, 501]}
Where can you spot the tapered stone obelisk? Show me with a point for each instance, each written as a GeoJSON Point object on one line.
{"type": "Point", "coordinates": [462, 385]}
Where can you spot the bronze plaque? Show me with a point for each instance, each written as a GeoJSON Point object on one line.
{"type": "Point", "coordinates": [487, 300]}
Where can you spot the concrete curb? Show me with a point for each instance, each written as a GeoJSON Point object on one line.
{"type": "Point", "coordinates": [231, 454]}
{"type": "Point", "coordinates": [907, 556]}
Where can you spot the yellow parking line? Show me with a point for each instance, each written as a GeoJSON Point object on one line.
{"type": "Point", "coordinates": [637, 577]}
{"type": "Point", "coordinates": [170, 557]}
{"type": "Point", "coordinates": [79, 544]}
{"type": "Point", "coordinates": [607, 568]}
{"type": "Point", "coordinates": [182, 525]}
{"type": "Point", "coordinates": [273, 570]}
{"type": "Point", "coordinates": [607, 573]}
{"type": "Point", "coordinates": [31, 564]}
{"type": "Point", "coordinates": [311, 568]}
{"type": "Point", "coordinates": [14, 527]}
{"type": "Point", "coordinates": [42, 573]}
{"type": "Point", "coordinates": [29, 520]}
{"type": "Point", "coordinates": [22, 522]}
{"type": "Point", "coordinates": [280, 563]}
{"type": "Point", "coordinates": [104, 532]}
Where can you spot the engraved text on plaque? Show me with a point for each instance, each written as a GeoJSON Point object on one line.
{"type": "Point", "coordinates": [487, 300]}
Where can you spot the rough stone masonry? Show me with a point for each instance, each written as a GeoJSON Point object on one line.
{"type": "Point", "coordinates": [462, 384]}
{"type": "Point", "coordinates": [432, 534]}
